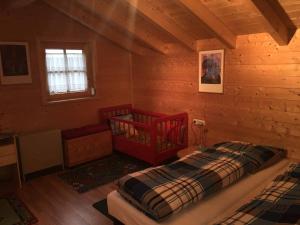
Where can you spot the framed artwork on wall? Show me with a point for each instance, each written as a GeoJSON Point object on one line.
{"type": "Point", "coordinates": [211, 64]}
{"type": "Point", "coordinates": [14, 63]}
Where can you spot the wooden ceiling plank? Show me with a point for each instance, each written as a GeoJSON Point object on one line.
{"type": "Point", "coordinates": [217, 27]}
{"type": "Point", "coordinates": [77, 13]}
{"type": "Point", "coordinates": [153, 14]}
{"type": "Point", "coordinates": [100, 8]}
{"type": "Point", "coordinates": [20, 3]}
{"type": "Point", "coordinates": [277, 23]}
{"type": "Point", "coordinates": [13, 4]}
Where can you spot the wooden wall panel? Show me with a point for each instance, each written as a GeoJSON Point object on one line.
{"type": "Point", "coordinates": [21, 106]}
{"type": "Point", "coordinates": [261, 100]}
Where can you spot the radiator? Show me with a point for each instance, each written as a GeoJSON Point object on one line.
{"type": "Point", "coordinates": [40, 151]}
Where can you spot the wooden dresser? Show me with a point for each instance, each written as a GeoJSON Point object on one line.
{"type": "Point", "coordinates": [9, 156]}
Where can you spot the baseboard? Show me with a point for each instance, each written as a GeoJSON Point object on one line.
{"type": "Point", "coordinates": [44, 172]}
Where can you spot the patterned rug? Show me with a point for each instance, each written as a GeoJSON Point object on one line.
{"type": "Point", "coordinates": [100, 172]}
{"type": "Point", "coordinates": [14, 212]}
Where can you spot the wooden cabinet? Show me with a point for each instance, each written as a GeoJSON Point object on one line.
{"type": "Point", "coordinates": [86, 148]}
{"type": "Point", "coordinates": [9, 156]}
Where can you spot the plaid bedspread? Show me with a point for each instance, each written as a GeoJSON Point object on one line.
{"type": "Point", "coordinates": [279, 203]}
{"type": "Point", "coordinates": [165, 190]}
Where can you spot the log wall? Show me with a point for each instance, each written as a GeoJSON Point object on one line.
{"type": "Point", "coordinates": [261, 100]}
{"type": "Point", "coordinates": [21, 106]}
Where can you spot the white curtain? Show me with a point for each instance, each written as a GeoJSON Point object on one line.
{"type": "Point", "coordinates": [66, 71]}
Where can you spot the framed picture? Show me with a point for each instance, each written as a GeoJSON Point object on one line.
{"type": "Point", "coordinates": [14, 63]}
{"type": "Point", "coordinates": [211, 65]}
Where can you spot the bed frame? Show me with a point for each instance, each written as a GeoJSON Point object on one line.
{"type": "Point", "coordinates": [154, 137]}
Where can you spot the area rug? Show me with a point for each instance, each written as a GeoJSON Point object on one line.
{"type": "Point", "coordinates": [101, 206]}
{"type": "Point", "coordinates": [103, 171]}
{"type": "Point", "coordinates": [14, 212]}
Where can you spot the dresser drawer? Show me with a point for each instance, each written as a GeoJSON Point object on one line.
{"type": "Point", "coordinates": [7, 150]}
{"type": "Point", "coordinates": [8, 159]}
{"type": "Point", "coordinates": [7, 155]}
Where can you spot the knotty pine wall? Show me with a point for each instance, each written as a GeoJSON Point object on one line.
{"type": "Point", "coordinates": [21, 106]}
{"type": "Point", "coordinates": [261, 100]}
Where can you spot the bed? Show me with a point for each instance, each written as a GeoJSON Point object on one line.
{"type": "Point", "coordinates": [231, 198]}
{"type": "Point", "coordinates": [278, 203]}
{"type": "Point", "coordinates": [237, 167]}
{"type": "Point", "coordinates": [150, 136]}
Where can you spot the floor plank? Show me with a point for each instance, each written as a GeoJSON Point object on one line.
{"type": "Point", "coordinates": [54, 202]}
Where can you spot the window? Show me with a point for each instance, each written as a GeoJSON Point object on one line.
{"type": "Point", "coordinates": [68, 71]}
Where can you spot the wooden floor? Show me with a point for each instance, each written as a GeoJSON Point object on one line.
{"type": "Point", "coordinates": [55, 203]}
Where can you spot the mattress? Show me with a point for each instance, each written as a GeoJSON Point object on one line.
{"type": "Point", "coordinates": [279, 203]}
{"type": "Point", "coordinates": [206, 211]}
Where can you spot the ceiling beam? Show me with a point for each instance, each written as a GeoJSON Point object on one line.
{"type": "Point", "coordinates": [209, 19]}
{"type": "Point", "coordinates": [277, 22]}
{"type": "Point", "coordinates": [152, 13]}
{"type": "Point", "coordinates": [113, 14]}
{"type": "Point", "coordinates": [93, 22]}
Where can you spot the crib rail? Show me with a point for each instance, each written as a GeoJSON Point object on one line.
{"type": "Point", "coordinates": [141, 116]}
{"type": "Point", "coordinates": [145, 116]}
{"type": "Point", "coordinates": [149, 136]}
{"type": "Point", "coordinates": [162, 134]}
{"type": "Point", "coordinates": [122, 124]}
{"type": "Point", "coordinates": [170, 132]}
{"type": "Point", "coordinates": [132, 130]}
{"type": "Point", "coordinates": [106, 113]}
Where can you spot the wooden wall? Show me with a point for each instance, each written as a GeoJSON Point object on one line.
{"type": "Point", "coordinates": [261, 100]}
{"type": "Point", "coordinates": [21, 106]}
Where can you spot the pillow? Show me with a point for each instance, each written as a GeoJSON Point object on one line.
{"type": "Point", "coordinates": [129, 130]}
{"type": "Point", "coordinates": [120, 128]}
{"type": "Point", "coordinates": [259, 155]}
{"type": "Point", "coordinates": [115, 125]}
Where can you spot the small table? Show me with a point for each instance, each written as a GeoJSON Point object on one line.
{"type": "Point", "coordinates": [187, 151]}
{"type": "Point", "coordinates": [9, 156]}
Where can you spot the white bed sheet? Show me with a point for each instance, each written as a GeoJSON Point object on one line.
{"type": "Point", "coordinates": [204, 212]}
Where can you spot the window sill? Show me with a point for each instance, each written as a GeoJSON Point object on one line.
{"type": "Point", "coordinates": [70, 100]}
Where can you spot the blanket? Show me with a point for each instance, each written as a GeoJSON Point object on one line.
{"type": "Point", "coordinates": [279, 203]}
{"type": "Point", "coordinates": [165, 190]}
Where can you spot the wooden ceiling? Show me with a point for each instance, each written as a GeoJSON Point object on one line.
{"type": "Point", "coordinates": [143, 26]}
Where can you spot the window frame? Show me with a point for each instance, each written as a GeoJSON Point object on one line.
{"type": "Point", "coordinates": [87, 49]}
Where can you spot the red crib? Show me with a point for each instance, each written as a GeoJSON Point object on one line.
{"type": "Point", "coordinates": [149, 136]}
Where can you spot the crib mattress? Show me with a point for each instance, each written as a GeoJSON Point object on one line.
{"type": "Point", "coordinates": [204, 212]}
